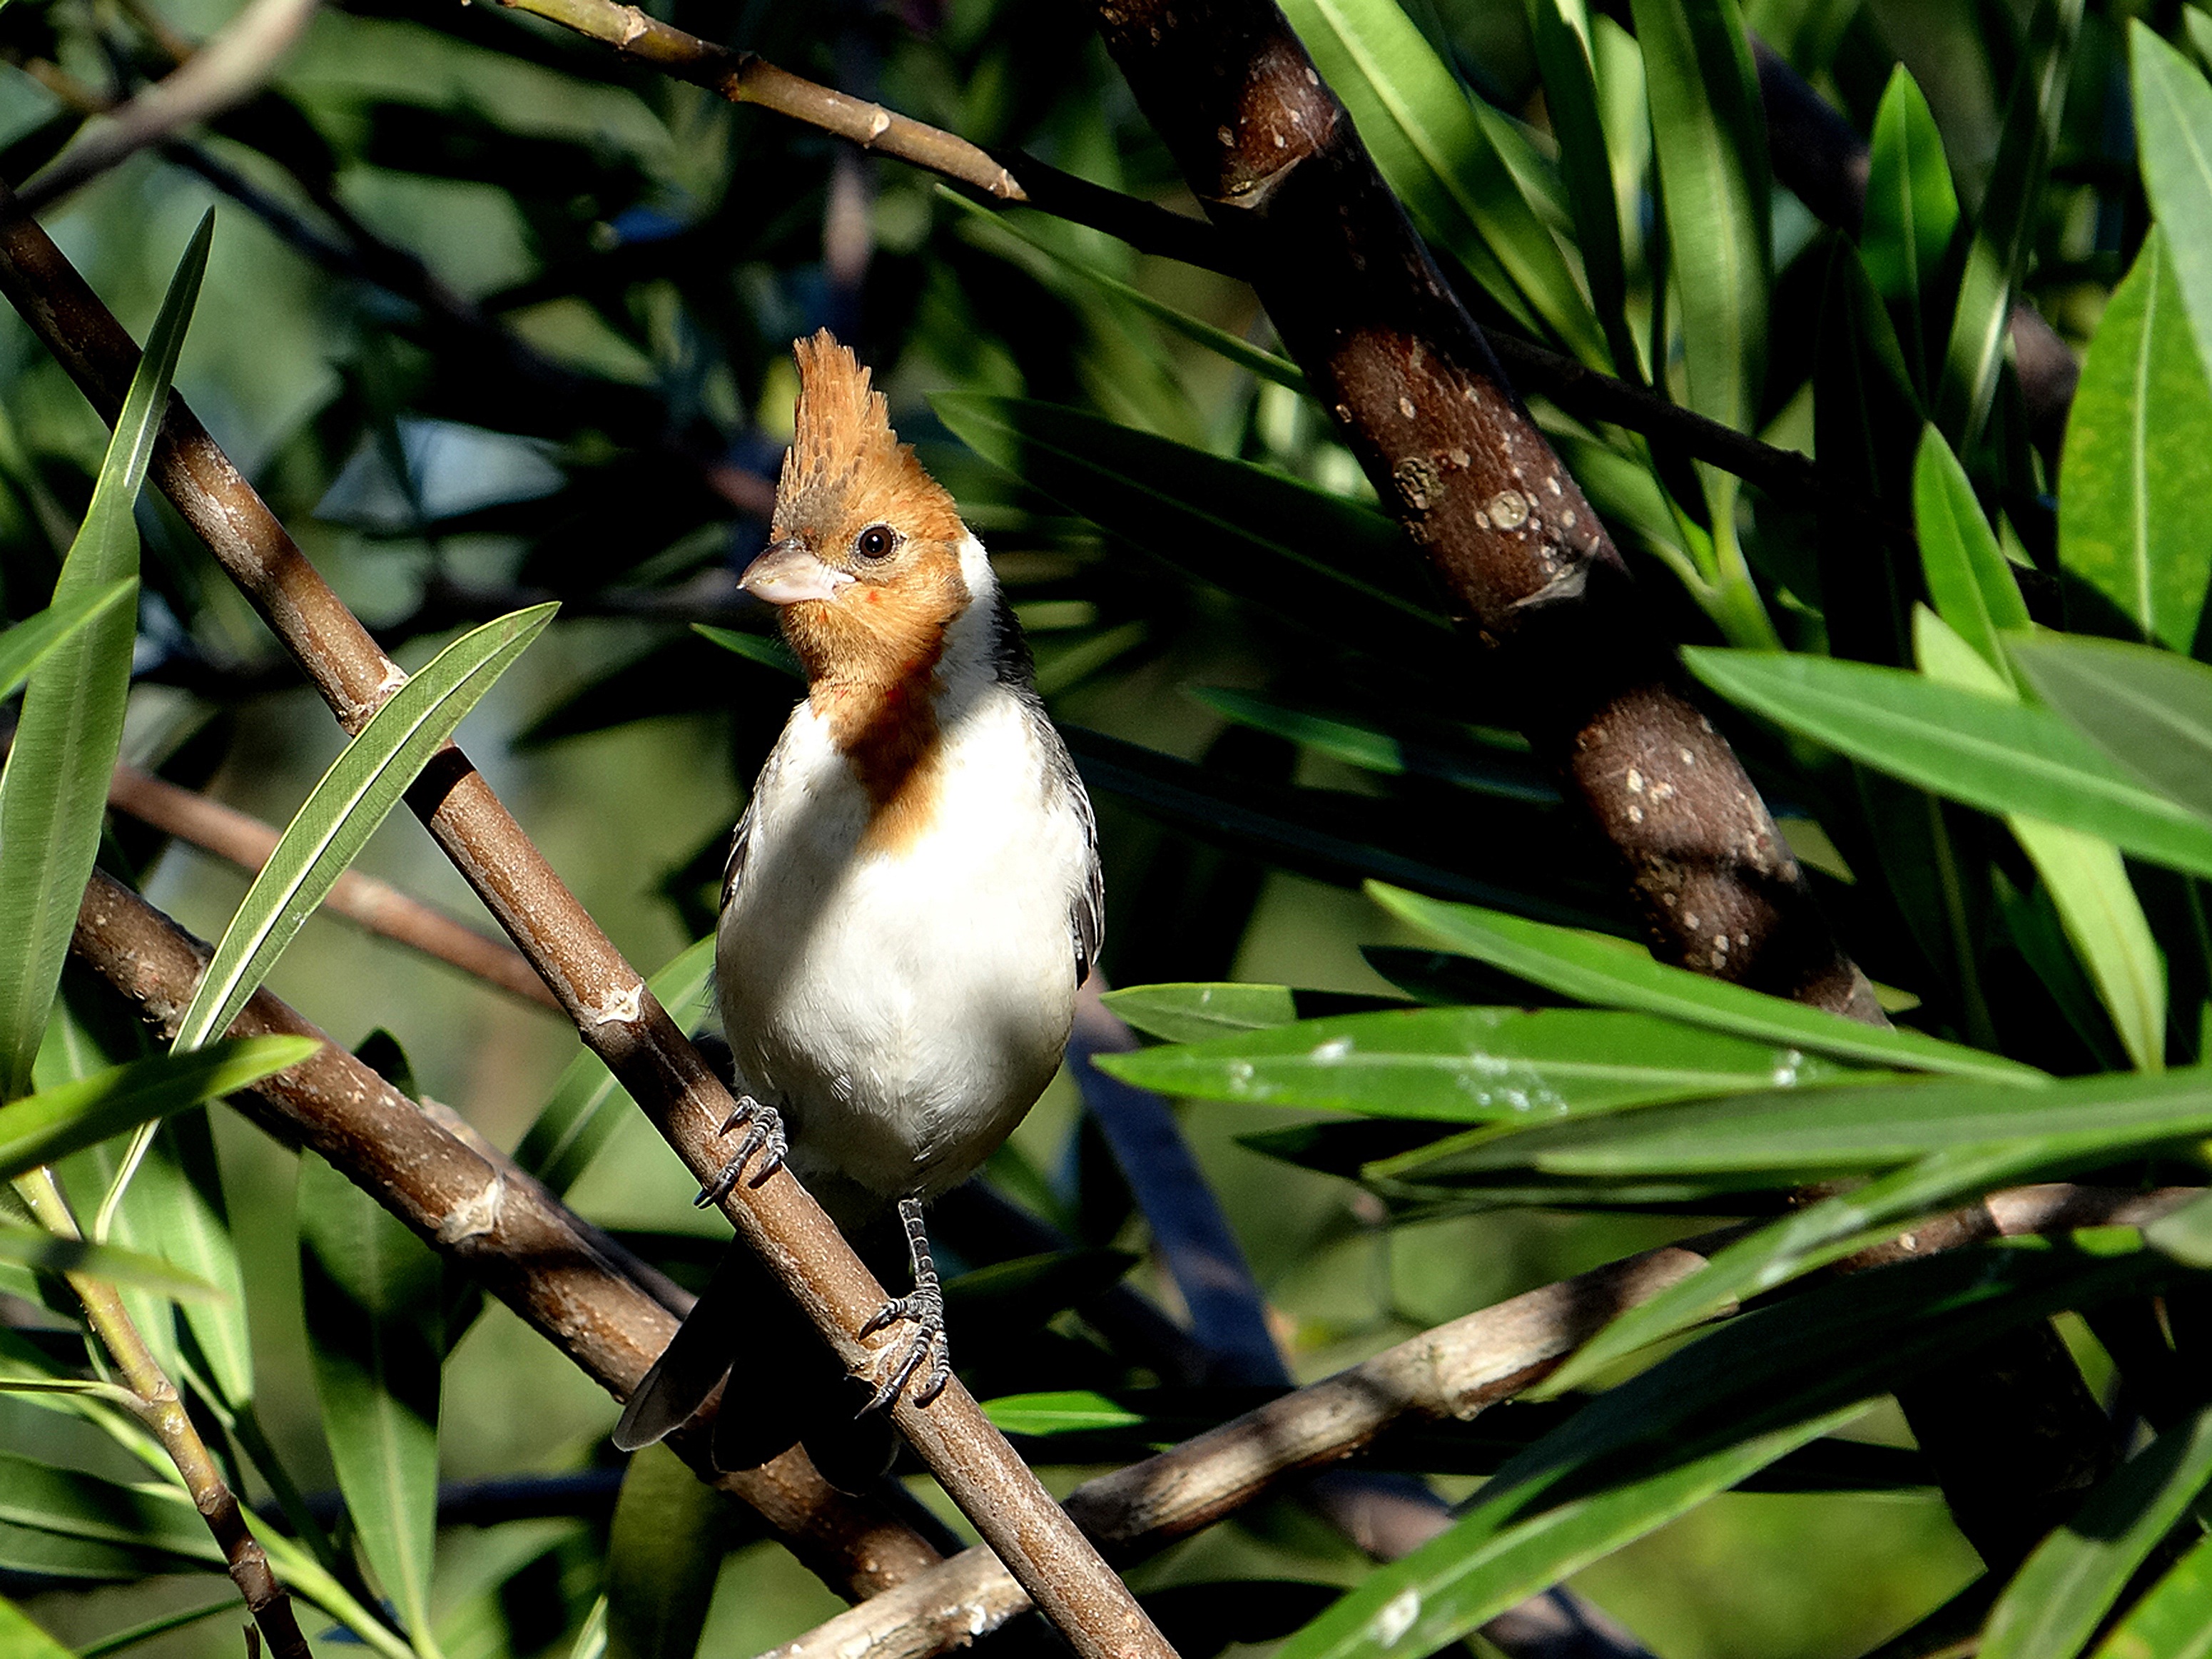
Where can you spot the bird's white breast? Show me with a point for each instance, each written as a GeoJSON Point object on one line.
{"type": "Point", "coordinates": [904, 1004]}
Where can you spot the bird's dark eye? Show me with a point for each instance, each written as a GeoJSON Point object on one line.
{"type": "Point", "coordinates": [876, 541]}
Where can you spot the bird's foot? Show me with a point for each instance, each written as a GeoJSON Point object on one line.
{"type": "Point", "coordinates": [763, 1135]}
{"type": "Point", "coordinates": [926, 1351]}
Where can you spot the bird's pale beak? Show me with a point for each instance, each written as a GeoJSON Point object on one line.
{"type": "Point", "coordinates": [785, 574]}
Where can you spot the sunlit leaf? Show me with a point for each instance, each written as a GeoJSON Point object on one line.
{"type": "Point", "coordinates": [53, 787]}
{"type": "Point", "coordinates": [2134, 495]}
{"type": "Point", "coordinates": [2173, 1620]}
{"type": "Point", "coordinates": [1911, 214]}
{"type": "Point", "coordinates": [1072, 1411]}
{"type": "Point", "coordinates": [1971, 584]}
{"type": "Point", "coordinates": [28, 644]}
{"type": "Point", "coordinates": [2149, 711]}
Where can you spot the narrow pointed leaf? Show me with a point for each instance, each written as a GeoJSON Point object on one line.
{"type": "Point", "coordinates": [50, 1254]}
{"type": "Point", "coordinates": [2135, 493]}
{"type": "Point", "coordinates": [2087, 882]}
{"type": "Point", "coordinates": [54, 789]}
{"type": "Point", "coordinates": [19, 1639]}
{"type": "Point", "coordinates": [1911, 214]}
{"type": "Point", "coordinates": [2174, 133]}
{"type": "Point", "coordinates": [670, 1533]}
{"type": "Point", "coordinates": [2173, 1620]}
{"type": "Point", "coordinates": [1862, 1130]}
{"type": "Point", "coordinates": [371, 1291]}
{"type": "Point", "coordinates": [567, 1133]}
{"type": "Point", "coordinates": [2001, 758]}
{"type": "Point", "coordinates": [1972, 585]}
{"type": "Point", "coordinates": [2055, 1603]}
{"type": "Point", "coordinates": [2148, 711]}
{"type": "Point", "coordinates": [2005, 230]}
{"type": "Point", "coordinates": [1613, 973]}
{"type": "Point", "coordinates": [1709, 138]}
{"type": "Point", "coordinates": [1571, 98]}
{"type": "Point", "coordinates": [1370, 746]}
{"type": "Point", "coordinates": [26, 645]}
{"type": "Point", "coordinates": [1192, 1014]}
{"type": "Point", "coordinates": [362, 785]}
{"type": "Point", "coordinates": [59, 1121]}
{"type": "Point", "coordinates": [1073, 1411]}
{"type": "Point", "coordinates": [157, 1520]}
{"type": "Point", "coordinates": [1472, 1065]}
{"type": "Point", "coordinates": [1444, 164]}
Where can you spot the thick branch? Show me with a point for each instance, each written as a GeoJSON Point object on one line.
{"type": "Point", "coordinates": [378, 906]}
{"type": "Point", "coordinates": [615, 1011]}
{"type": "Point", "coordinates": [161, 1411]}
{"type": "Point", "coordinates": [1418, 397]}
{"type": "Point", "coordinates": [558, 1272]}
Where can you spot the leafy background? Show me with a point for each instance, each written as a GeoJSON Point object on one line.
{"type": "Point", "coordinates": [564, 375]}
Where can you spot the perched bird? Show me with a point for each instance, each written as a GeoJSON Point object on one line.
{"type": "Point", "coordinates": [911, 899]}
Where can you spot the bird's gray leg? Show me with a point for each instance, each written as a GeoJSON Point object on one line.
{"type": "Point", "coordinates": [763, 1134]}
{"type": "Point", "coordinates": [925, 1308]}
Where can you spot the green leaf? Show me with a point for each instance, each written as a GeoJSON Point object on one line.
{"type": "Point", "coordinates": [130, 1635]}
{"type": "Point", "coordinates": [1559, 30]}
{"type": "Point", "coordinates": [361, 786]}
{"type": "Point", "coordinates": [561, 1144]}
{"type": "Point", "coordinates": [1335, 566]}
{"type": "Point", "coordinates": [1846, 1131]}
{"type": "Point", "coordinates": [2005, 232]}
{"type": "Point", "coordinates": [1968, 578]}
{"type": "Point", "coordinates": [1472, 1065]}
{"type": "Point", "coordinates": [1237, 349]}
{"type": "Point", "coordinates": [51, 1254]}
{"type": "Point", "coordinates": [57, 1121]}
{"type": "Point", "coordinates": [29, 643]}
{"type": "Point", "coordinates": [156, 1520]}
{"type": "Point", "coordinates": [2135, 493]}
{"type": "Point", "coordinates": [2173, 1620]}
{"type": "Point", "coordinates": [2173, 132]}
{"type": "Point", "coordinates": [1368, 745]}
{"type": "Point", "coordinates": [1193, 1012]}
{"type": "Point", "coordinates": [2150, 711]}
{"type": "Point", "coordinates": [1826, 1231]}
{"type": "Point", "coordinates": [2001, 758]}
{"type": "Point", "coordinates": [1445, 164]}
{"type": "Point", "coordinates": [1072, 1411]}
{"type": "Point", "coordinates": [372, 1294]}
{"type": "Point", "coordinates": [671, 1531]}
{"type": "Point", "coordinates": [1911, 214]}
{"type": "Point", "coordinates": [2087, 884]}
{"type": "Point", "coordinates": [1698, 1422]}
{"type": "Point", "coordinates": [766, 649]}
{"type": "Point", "coordinates": [54, 789]}
{"type": "Point", "coordinates": [21, 1639]}
{"type": "Point", "coordinates": [1709, 136]}
{"type": "Point", "coordinates": [182, 1212]}
{"type": "Point", "coordinates": [1613, 973]}
{"type": "Point", "coordinates": [2055, 1603]}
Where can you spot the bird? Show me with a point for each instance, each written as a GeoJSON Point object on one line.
{"type": "Point", "coordinates": [913, 896]}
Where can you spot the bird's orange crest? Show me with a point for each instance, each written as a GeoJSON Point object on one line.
{"type": "Point", "coordinates": [845, 460]}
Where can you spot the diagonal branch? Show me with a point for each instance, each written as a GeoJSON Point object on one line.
{"type": "Point", "coordinates": [565, 1279]}
{"type": "Point", "coordinates": [614, 1010]}
{"type": "Point", "coordinates": [378, 906]}
{"type": "Point", "coordinates": [1453, 1372]}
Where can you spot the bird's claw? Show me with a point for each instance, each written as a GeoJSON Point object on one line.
{"type": "Point", "coordinates": [925, 1310]}
{"type": "Point", "coordinates": [763, 1135]}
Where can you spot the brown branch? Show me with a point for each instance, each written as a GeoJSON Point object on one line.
{"type": "Point", "coordinates": [565, 1279]}
{"type": "Point", "coordinates": [1455, 1371]}
{"type": "Point", "coordinates": [1417, 396]}
{"type": "Point", "coordinates": [229, 69]}
{"type": "Point", "coordinates": [378, 906]}
{"type": "Point", "coordinates": [157, 1406]}
{"type": "Point", "coordinates": [613, 1007]}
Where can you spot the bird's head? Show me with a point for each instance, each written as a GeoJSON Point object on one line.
{"type": "Point", "coordinates": [865, 559]}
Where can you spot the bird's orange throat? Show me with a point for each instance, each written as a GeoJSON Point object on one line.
{"type": "Point", "coordinates": [871, 657]}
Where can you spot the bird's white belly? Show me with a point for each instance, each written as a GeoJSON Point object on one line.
{"type": "Point", "coordinates": [905, 1006]}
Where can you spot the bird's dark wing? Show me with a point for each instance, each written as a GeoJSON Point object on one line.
{"type": "Point", "coordinates": [696, 1359]}
{"type": "Point", "coordinates": [734, 871]}
{"type": "Point", "coordinates": [1086, 920]}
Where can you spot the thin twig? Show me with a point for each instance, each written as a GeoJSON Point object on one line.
{"type": "Point", "coordinates": [226, 71]}
{"type": "Point", "coordinates": [156, 1405]}
{"type": "Point", "coordinates": [613, 1008]}
{"type": "Point", "coordinates": [378, 906]}
{"type": "Point", "coordinates": [1454, 1371]}
{"type": "Point", "coordinates": [562, 1276]}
